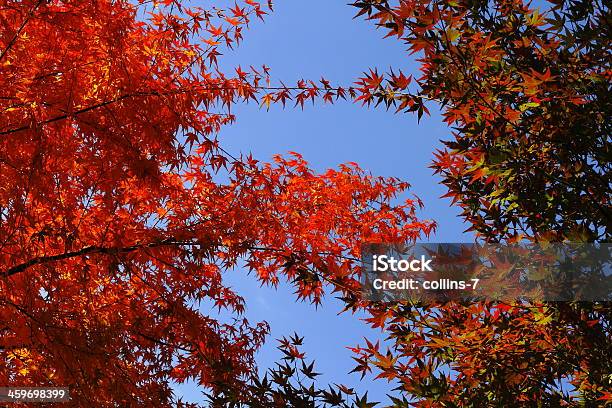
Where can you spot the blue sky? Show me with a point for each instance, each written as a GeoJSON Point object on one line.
{"type": "Point", "coordinates": [309, 40]}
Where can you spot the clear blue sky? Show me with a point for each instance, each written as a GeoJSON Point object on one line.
{"type": "Point", "coordinates": [309, 40]}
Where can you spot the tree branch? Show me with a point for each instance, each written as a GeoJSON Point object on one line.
{"type": "Point", "coordinates": [19, 30]}
{"type": "Point", "coordinates": [86, 251]}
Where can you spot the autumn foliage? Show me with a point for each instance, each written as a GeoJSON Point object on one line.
{"type": "Point", "coordinates": [120, 211]}
{"type": "Point", "coordinates": [526, 91]}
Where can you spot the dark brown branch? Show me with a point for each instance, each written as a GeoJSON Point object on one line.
{"type": "Point", "coordinates": [19, 30]}
{"type": "Point", "coordinates": [87, 251]}
{"type": "Point", "coordinates": [90, 250]}
{"type": "Point", "coordinates": [62, 117]}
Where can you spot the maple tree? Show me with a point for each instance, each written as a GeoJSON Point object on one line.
{"type": "Point", "coordinates": [526, 93]}
{"type": "Point", "coordinates": [114, 226]}
{"type": "Point", "coordinates": [120, 211]}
